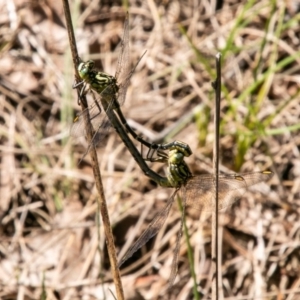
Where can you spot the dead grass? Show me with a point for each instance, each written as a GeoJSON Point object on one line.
{"type": "Point", "coordinates": [48, 223]}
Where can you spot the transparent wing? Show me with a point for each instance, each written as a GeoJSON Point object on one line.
{"type": "Point", "coordinates": [200, 189]}
{"type": "Point", "coordinates": [123, 86]}
{"type": "Point", "coordinates": [99, 121]}
{"type": "Point", "coordinates": [155, 225]}
{"type": "Point", "coordinates": [123, 64]}
{"type": "Point", "coordinates": [96, 118]}
{"type": "Point", "coordinates": [123, 71]}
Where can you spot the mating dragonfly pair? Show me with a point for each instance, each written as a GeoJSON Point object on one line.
{"type": "Point", "coordinates": [109, 93]}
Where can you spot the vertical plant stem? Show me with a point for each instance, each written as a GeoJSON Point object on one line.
{"type": "Point", "coordinates": [96, 170]}
{"type": "Point", "coordinates": [216, 282]}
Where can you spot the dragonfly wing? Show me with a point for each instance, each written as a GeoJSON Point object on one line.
{"type": "Point", "coordinates": [152, 229]}
{"type": "Point", "coordinates": [78, 127]}
{"type": "Point", "coordinates": [123, 86]}
{"type": "Point", "coordinates": [99, 122]}
{"type": "Point", "coordinates": [200, 189]}
{"type": "Point", "coordinates": [123, 72]}
{"type": "Point", "coordinates": [123, 65]}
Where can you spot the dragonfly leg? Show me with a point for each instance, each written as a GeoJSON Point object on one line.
{"type": "Point", "coordinates": [161, 156]}
{"type": "Point", "coordinates": [82, 91]}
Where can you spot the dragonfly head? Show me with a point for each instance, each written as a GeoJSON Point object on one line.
{"type": "Point", "coordinates": [182, 148]}
{"type": "Point", "coordinates": [85, 68]}
{"type": "Point", "coordinates": [175, 156]}
{"type": "Point", "coordinates": [98, 80]}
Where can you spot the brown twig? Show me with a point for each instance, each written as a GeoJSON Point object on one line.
{"type": "Point", "coordinates": [216, 289]}
{"type": "Point", "coordinates": [96, 170]}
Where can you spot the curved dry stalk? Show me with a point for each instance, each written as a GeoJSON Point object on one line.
{"type": "Point", "coordinates": [96, 170]}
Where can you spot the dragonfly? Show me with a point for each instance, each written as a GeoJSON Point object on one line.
{"type": "Point", "coordinates": [111, 97]}
{"type": "Point", "coordinates": [198, 193]}
{"type": "Point", "coordinates": [183, 150]}
{"type": "Point", "coordinates": [111, 89]}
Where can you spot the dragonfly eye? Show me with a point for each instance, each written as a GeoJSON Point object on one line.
{"type": "Point", "coordinates": [84, 68]}
{"type": "Point", "coordinates": [90, 64]}
{"type": "Point", "coordinates": [80, 66]}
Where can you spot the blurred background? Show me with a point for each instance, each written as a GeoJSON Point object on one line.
{"type": "Point", "coordinates": [51, 241]}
